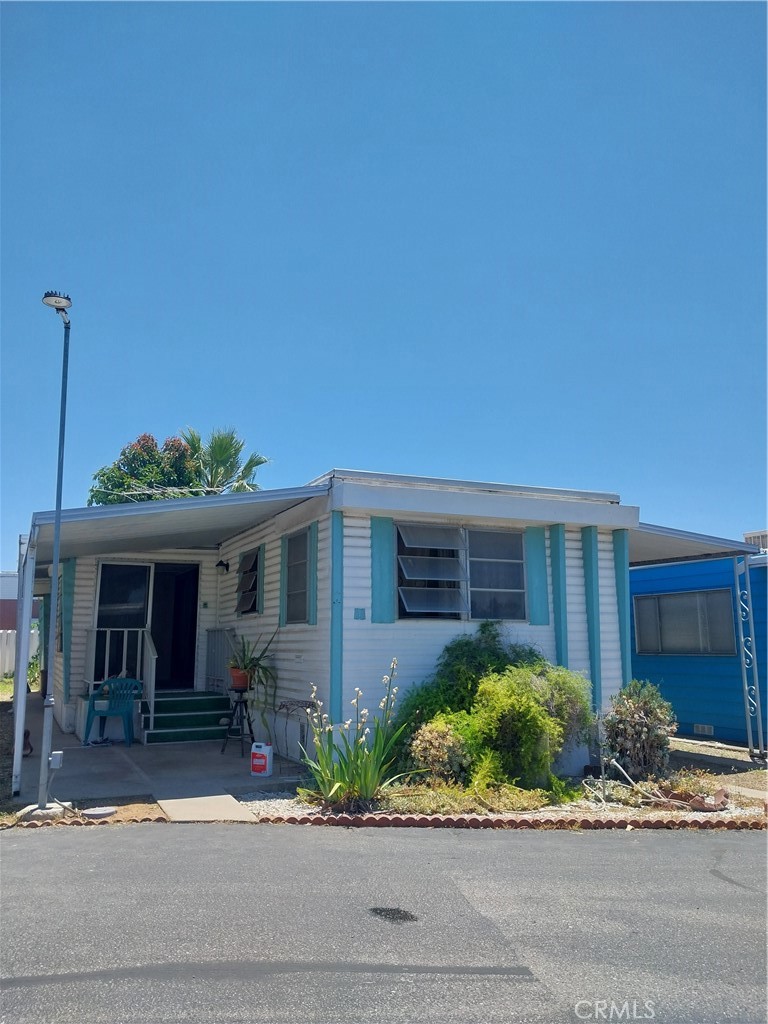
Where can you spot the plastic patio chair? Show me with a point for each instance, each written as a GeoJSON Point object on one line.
{"type": "Point", "coordinates": [115, 697]}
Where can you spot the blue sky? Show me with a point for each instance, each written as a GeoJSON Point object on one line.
{"type": "Point", "coordinates": [511, 242]}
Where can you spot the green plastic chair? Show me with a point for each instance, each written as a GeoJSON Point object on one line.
{"type": "Point", "coordinates": [119, 695]}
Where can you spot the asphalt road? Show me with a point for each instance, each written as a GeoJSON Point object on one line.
{"type": "Point", "coordinates": [261, 924]}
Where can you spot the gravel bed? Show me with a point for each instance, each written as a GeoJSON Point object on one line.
{"type": "Point", "coordinates": [285, 804]}
{"type": "Point", "coordinates": [269, 804]}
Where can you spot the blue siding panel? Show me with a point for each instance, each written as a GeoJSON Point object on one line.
{"type": "Point", "coordinates": [703, 689]}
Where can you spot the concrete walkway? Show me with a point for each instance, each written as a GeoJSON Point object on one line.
{"type": "Point", "coordinates": [172, 773]}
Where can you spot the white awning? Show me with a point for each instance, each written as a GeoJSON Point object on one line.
{"type": "Point", "coordinates": [650, 544]}
{"type": "Point", "coordinates": [149, 525]}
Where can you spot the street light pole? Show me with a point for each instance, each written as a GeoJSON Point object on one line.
{"type": "Point", "coordinates": [60, 303]}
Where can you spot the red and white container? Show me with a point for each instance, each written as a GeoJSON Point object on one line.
{"type": "Point", "coordinates": [261, 760]}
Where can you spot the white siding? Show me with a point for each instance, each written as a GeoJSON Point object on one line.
{"type": "Point", "coordinates": [369, 647]}
{"type": "Point", "coordinates": [610, 642]}
{"type": "Point", "coordinates": [301, 652]}
{"type": "Point", "coordinates": [578, 639]}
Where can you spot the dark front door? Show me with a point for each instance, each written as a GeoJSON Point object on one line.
{"type": "Point", "coordinates": [174, 624]}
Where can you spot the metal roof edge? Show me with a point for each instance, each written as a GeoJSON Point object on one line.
{"type": "Point", "coordinates": [364, 475]}
{"type": "Point", "coordinates": [141, 508]}
{"type": "Point", "coordinates": [725, 544]}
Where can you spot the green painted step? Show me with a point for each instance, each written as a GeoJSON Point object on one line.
{"type": "Point", "coordinates": [187, 703]}
{"type": "Point", "coordinates": [185, 720]}
{"type": "Point", "coordinates": [183, 716]}
{"type": "Point", "coordinates": [184, 735]}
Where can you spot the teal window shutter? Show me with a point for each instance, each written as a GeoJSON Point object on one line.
{"type": "Point", "coordinates": [312, 575]}
{"type": "Point", "coordinates": [536, 575]}
{"type": "Point", "coordinates": [383, 582]}
{"type": "Point", "coordinates": [283, 580]}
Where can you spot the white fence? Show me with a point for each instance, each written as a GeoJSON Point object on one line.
{"type": "Point", "coordinates": [8, 649]}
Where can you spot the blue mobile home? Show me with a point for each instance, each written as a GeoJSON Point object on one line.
{"type": "Point", "coordinates": [686, 639]}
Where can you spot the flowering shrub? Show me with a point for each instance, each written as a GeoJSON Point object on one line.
{"type": "Point", "coordinates": [437, 748]}
{"type": "Point", "coordinates": [352, 760]}
{"type": "Point", "coordinates": [636, 730]}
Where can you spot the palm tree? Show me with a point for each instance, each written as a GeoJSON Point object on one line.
{"type": "Point", "coordinates": [219, 461]}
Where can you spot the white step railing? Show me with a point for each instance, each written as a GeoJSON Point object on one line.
{"type": "Point", "coordinates": [123, 652]}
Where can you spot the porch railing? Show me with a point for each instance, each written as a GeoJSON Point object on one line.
{"type": "Point", "coordinates": [126, 652]}
{"type": "Point", "coordinates": [149, 669]}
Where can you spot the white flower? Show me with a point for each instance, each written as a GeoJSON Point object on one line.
{"type": "Point", "coordinates": [364, 713]}
{"type": "Point", "coordinates": [353, 702]}
{"type": "Point", "coordinates": [383, 703]}
{"type": "Point", "coordinates": [365, 733]}
{"type": "Point", "coordinates": [348, 723]}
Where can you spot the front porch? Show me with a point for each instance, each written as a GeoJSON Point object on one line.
{"type": "Point", "coordinates": [163, 771]}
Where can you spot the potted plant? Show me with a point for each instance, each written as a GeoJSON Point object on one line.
{"type": "Point", "coordinates": [248, 670]}
{"type": "Point", "coordinates": [242, 664]}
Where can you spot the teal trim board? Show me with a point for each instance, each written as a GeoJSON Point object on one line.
{"type": "Point", "coordinates": [559, 599]}
{"type": "Point", "coordinates": [383, 582]}
{"type": "Point", "coordinates": [337, 614]}
{"type": "Point", "coordinates": [68, 570]}
{"type": "Point", "coordinates": [312, 575]}
{"type": "Point", "coordinates": [283, 580]}
{"type": "Point", "coordinates": [592, 597]}
{"type": "Point", "coordinates": [621, 568]}
{"type": "Point", "coordinates": [537, 591]}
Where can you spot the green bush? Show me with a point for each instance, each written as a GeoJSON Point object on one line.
{"type": "Point", "coordinates": [460, 667]}
{"type": "Point", "coordinates": [510, 709]}
{"type": "Point", "coordinates": [513, 723]}
{"type": "Point", "coordinates": [636, 730]}
{"type": "Point", "coordinates": [567, 696]}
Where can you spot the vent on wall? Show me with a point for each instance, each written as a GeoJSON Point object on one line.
{"type": "Point", "coordinates": [703, 730]}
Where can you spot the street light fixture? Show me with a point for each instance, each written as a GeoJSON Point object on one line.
{"type": "Point", "coordinates": [59, 303]}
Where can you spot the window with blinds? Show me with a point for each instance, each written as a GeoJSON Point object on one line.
{"type": "Point", "coordinates": [694, 622]}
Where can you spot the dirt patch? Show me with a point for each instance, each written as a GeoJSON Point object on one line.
{"type": "Point", "coordinates": [756, 779]}
{"type": "Point", "coordinates": [127, 809]}
{"type": "Point", "coordinates": [6, 749]}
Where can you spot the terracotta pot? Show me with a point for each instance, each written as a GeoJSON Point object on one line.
{"type": "Point", "coordinates": [239, 678]}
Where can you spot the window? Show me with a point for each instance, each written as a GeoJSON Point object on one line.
{"type": "Point", "coordinates": [451, 572]}
{"type": "Point", "coordinates": [695, 622]}
{"type": "Point", "coordinates": [249, 582]}
{"type": "Point", "coordinates": [297, 577]}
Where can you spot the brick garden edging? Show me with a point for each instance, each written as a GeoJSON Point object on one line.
{"type": "Point", "coordinates": [455, 821]}
{"type": "Point", "coordinates": [496, 821]}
